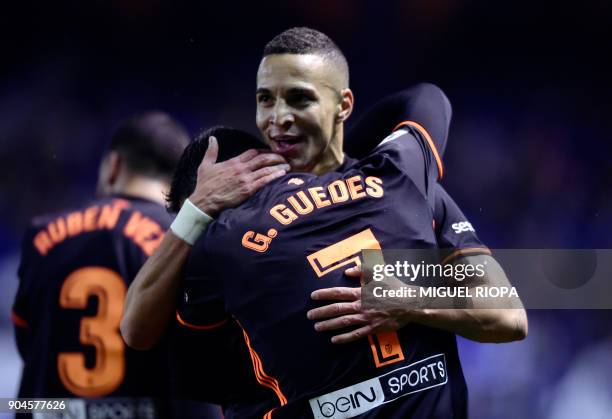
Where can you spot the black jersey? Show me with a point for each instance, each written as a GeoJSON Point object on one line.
{"type": "Point", "coordinates": [74, 272]}
{"type": "Point", "coordinates": [261, 261]}
{"type": "Point", "coordinates": [218, 351]}
{"type": "Point", "coordinates": [226, 359]}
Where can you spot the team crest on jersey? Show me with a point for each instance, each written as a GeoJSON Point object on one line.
{"type": "Point", "coordinates": [295, 181]}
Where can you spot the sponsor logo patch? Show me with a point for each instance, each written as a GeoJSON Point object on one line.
{"type": "Point", "coordinates": [462, 227]}
{"type": "Point", "coordinates": [354, 400]}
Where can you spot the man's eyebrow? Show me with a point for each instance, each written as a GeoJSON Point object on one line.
{"type": "Point", "coordinates": [305, 90]}
{"type": "Point", "coordinates": [292, 90]}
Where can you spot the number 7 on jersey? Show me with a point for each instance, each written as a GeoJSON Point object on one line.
{"type": "Point", "coordinates": [386, 348]}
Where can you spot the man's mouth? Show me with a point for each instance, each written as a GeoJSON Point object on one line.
{"type": "Point", "coordinates": [286, 144]}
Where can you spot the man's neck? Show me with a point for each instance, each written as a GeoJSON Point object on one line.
{"type": "Point", "coordinates": [333, 156]}
{"type": "Point", "coordinates": [144, 187]}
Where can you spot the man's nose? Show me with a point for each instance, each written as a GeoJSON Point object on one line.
{"type": "Point", "coordinates": [281, 114]}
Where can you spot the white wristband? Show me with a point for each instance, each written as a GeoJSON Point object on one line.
{"type": "Point", "coordinates": [190, 222]}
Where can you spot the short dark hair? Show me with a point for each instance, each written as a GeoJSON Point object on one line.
{"type": "Point", "coordinates": [232, 142]}
{"type": "Point", "coordinates": [151, 144]}
{"type": "Point", "coordinates": [303, 40]}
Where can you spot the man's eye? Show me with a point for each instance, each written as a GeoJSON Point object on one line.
{"type": "Point", "coordinates": [264, 98]}
{"type": "Point", "coordinates": [300, 99]}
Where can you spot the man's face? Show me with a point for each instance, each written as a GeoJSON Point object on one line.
{"type": "Point", "coordinates": [298, 102]}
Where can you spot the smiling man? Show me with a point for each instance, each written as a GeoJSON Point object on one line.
{"type": "Point", "coordinates": [302, 103]}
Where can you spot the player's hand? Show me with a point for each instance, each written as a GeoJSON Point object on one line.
{"type": "Point", "coordinates": [230, 183]}
{"type": "Point", "coordinates": [348, 312]}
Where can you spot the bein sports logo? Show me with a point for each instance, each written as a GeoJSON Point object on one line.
{"type": "Point", "coordinates": [361, 397]}
{"type": "Point", "coordinates": [347, 405]}
{"type": "Point", "coordinates": [462, 227]}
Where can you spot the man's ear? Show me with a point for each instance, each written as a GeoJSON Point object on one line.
{"type": "Point", "coordinates": [108, 173]}
{"type": "Point", "coordinates": [114, 167]}
{"type": "Point", "coordinates": [345, 107]}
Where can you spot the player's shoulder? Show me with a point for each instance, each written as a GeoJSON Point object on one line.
{"type": "Point", "coordinates": [46, 232]}
{"type": "Point", "coordinates": [131, 208]}
{"type": "Point", "coordinates": [119, 216]}
{"type": "Point", "coordinates": [151, 209]}
{"type": "Point", "coordinates": [397, 146]}
{"type": "Point", "coordinates": [392, 149]}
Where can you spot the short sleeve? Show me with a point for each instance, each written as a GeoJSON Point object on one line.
{"type": "Point", "coordinates": [410, 151]}
{"type": "Point", "coordinates": [454, 233]}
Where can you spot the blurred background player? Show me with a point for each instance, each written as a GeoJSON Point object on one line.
{"type": "Point", "coordinates": [75, 268]}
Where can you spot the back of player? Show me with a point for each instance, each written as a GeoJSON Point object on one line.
{"type": "Point", "coordinates": [76, 266]}
{"type": "Point", "coordinates": [230, 364]}
{"type": "Point", "coordinates": [267, 256]}
{"type": "Point", "coordinates": [75, 269]}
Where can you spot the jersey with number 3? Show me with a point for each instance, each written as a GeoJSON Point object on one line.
{"type": "Point", "coordinates": [260, 262]}
{"type": "Point", "coordinates": [74, 272]}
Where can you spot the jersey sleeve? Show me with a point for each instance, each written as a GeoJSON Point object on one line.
{"type": "Point", "coordinates": [410, 149]}
{"type": "Point", "coordinates": [201, 305]}
{"type": "Point", "coordinates": [420, 117]}
{"type": "Point", "coordinates": [454, 233]}
{"type": "Point", "coordinates": [424, 104]}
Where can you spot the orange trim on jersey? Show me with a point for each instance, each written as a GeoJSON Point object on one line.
{"type": "Point", "coordinates": [262, 377]}
{"type": "Point", "coordinates": [432, 145]}
{"type": "Point", "coordinates": [465, 252]}
{"type": "Point", "coordinates": [19, 321]}
{"type": "Point", "coordinates": [200, 327]}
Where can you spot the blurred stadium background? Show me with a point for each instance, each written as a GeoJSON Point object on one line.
{"type": "Point", "coordinates": [528, 158]}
